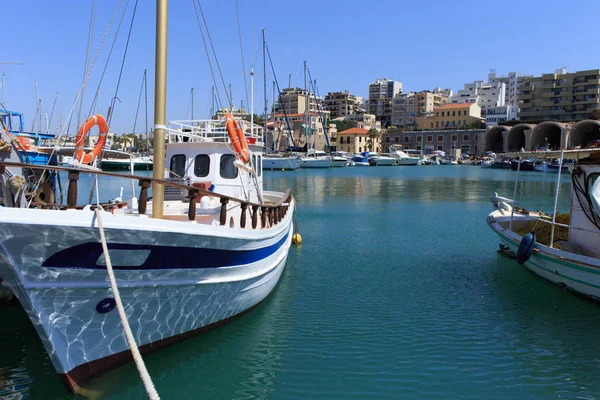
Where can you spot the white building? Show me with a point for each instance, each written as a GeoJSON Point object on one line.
{"type": "Point", "coordinates": [512, 82]}
{"type": "Point", "coordinates": [498, 114]}
{"type": "Point", "coordinates": [381, 95]}
{"type": "Point", "coordinates": [403, 110]}
{"type": "Point", "coordinates": [485, 94]}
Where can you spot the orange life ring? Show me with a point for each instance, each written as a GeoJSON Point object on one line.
{"type": "Point", "coordinates": [238, 140]}
{"type": "Point", "coordinates": [80, 154]}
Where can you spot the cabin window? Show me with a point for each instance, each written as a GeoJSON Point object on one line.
{"type": "Point", "coordinates": [259, 166]}
{"type": "Point", "coordinates": [228, 170]}
{"type": "Point", "coordinates": [177, 167]}
{"type": "Point", "coordinates": [202, 165]}
{"type": "Point", "coordinates": [254, 163]}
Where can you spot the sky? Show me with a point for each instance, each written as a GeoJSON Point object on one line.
{"type": "Point", "coordinates": [346, 44]}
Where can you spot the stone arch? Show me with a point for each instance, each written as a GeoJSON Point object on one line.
{"type": "Point", "coordinates": [548, 134]}
{"type": "Point", "coordinates": [494, 139]}
{"type": "Point", "coordinates": [518, 137]}
{"type": "Point", "coordinates": [583, 133]}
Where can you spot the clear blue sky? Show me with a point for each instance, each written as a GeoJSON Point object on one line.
{"type": "Point", "coordinates": [347, 44]}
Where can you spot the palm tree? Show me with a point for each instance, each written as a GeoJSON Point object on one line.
{"type": "Point", "coordinates": [372, 135]}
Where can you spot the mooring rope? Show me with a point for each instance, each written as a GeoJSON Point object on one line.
{"type": "Point", "coordinates": [139, 362]}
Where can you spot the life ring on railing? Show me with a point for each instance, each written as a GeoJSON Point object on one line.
{"type": "Point", "coordinates": [238, 140]}
{"type": "Point", "coordinates": [80, 154]}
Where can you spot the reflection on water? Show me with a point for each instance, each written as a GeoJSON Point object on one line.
{"type": "Point", "coordinates": [397, 292]}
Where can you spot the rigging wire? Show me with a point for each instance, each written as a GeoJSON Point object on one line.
{"type": "Point", "coordinates": [237, 12]}
{"type": "Point", "coordinates": [215, 55]}
{"type": "Point", "coordinates": [138, 105]}
{"type": "Point", "coordinates": [87, 55]}
{"type": "Point", "coordinates": [212, 72]}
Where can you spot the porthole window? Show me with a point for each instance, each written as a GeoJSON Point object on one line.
{"type": "Point", "coordinates": [177, 166]}
{"type": "Point", "coordinates": [202, 165]}
{"type": "Point", "coordinates": [227, 169]}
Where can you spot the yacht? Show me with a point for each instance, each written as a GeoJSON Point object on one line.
{"type": "Point", "coordinates": [401, 157]}
{"type": "Point", "coordinates": [315, 159]}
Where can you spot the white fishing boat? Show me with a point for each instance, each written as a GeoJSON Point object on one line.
{"type": "Point", "coordinates": [385, 160]}
{"type": "Point", "coordinates": [401, 157]}
{"type": "Point", "coordinates": [339, 159]}
{"type": "Point", "coordinates": [279, 163]}
{"type": "Point", "coordinates": [566, 248]}
{"type": "Point", "coordinates": [210, 245]}
{"type": "Point", "coordinates": [315, 159]}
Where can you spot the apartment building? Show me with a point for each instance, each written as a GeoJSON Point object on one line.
{"type": "Point", "coordinates": [342, 104]}
{"type": "Point", "coordinates": [305, 129]}
{"type": "Point", "coordinates": [407, 106]}
{"type": "Point", "coordinates": [365, 121]}
{"type": "Point", "coordinates": [451, 116]}
{"type": "Point", "coordinates": [381, 96]}
{"type": "Point", "coordinates": [560, 96]}
{"type": "Point", "coordinates": [512, 83]}
{"type": "Point", "coordinates": [296, 101]}
{"type": "Point", "coordinates": [484, 94]}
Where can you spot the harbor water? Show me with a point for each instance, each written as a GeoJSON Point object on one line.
{"type": "Point", "coordinates": [397, 292]}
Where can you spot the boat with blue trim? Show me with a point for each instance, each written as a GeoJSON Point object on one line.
{"type": "Point", "coordinates": [562, 248]}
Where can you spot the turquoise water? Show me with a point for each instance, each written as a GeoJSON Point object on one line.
{"type": "Point", "coordinates": [397, 292]}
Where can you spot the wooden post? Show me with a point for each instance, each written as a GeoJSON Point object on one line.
{"type": "Point", "coordinates": [263, 217]}
{"type": "Point", "coordinates": [254, 216]}
{"type": "Point", "coordinates": [192, 210]}
{"type": "Point", "coordinates": [244, 207]}
{"type": "Point", "coordinates": [143, 201]}
{"type": "Point", "coordinates": [271, 217]}
{"type": "Point", "coordinates": [72, 191]}
{"type": "Point", "coordinates": [223, 217]}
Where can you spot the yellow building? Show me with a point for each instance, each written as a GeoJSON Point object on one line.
{"type": "Point", "coordinates": [357, 140]}
{"type": "Point", "coordinates": [451, 116]}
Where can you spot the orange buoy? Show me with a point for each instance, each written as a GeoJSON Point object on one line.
{"type": "Point", "coordinates": [238, 140]}
{"type": "Point", "coordinates": [80, 154]}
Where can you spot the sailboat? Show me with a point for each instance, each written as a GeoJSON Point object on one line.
{"type": "Point", "coordinates": [210, 245]}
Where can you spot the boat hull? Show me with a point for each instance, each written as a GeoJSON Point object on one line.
{"type": "Point", "coordinates": [384, 161]}
{"type": "Point", "coordinates": [282, 164]}
{"type": "Point", "coordinates": [407, 161]}
{"type": "Point", "coordinates": [576, 272]}
{"type": "Point", "coordinates": [189, 281]}
{"type": "Point", "coordinates": [315, 163]}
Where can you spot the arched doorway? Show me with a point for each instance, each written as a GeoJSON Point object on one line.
{"type": "Point", "coordinates": [583, 133]}
{"type": "Point", "coordinates": [494, 139]}
{"type": "Point", "coordinates": [547, 135]}
{"type": "Point", "coordinates": [516, 137]}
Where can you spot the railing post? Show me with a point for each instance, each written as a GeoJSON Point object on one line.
{"type": "Point", "coordinates": [72, 191]}
{"type": "Point", "coordinates": [192, 210]}
{"type": "Point", "coordinates": [244, 206]}
{"type": "Point", "coordinates": [143, 202]}
{"type": "Point", "coordinates": [271, 217]}
{"type": "Point", "coordinates": [223, 216]}
{"type": "Point", "coordinates": [263, 217]}
{"type": "Point", "coordinates": [254, 217]}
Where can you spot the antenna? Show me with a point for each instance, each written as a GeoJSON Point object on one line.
{"type": "Point", "coordinates": [4, 73]}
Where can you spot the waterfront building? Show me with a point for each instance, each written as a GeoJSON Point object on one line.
{"type": "Point", "coordinates": [365, 121]}
{"type": "Point", "coordinates": [403, 111]}
{"type": "Point", "coordinates": [297, 101]}
{"type": "Point", "coordinates": [357, 140]}
{"type": "Point", "coordinates": [468, 141]}
{"type": "Point", "coordinates": [451, 116]}
{"type": "Point", "coordinates": [381, 96]}
{"type": "Point", "coordinates": [238, 113]}
{"type": "Point", "coordinates": [307, 130]}
{"type": "Point", "coordinates": [342, 104]}
{"type": "Point", "coordinates": [426, 102]}
{"type": "Point", "coordinates": [560, 96]}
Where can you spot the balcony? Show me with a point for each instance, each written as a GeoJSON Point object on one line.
{"type": "Point", "coordinates": [585, 82]}
{"type": "Point", "coordinates": [526, 96]}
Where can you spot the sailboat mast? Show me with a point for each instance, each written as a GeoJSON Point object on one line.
{"type": "Point", "coordinates": [265, 133]}
{"type": "Point", "coordinates": [146, 109]}
{"type": "Point", "coordinates": [306, 122]}
{"type": "Point", "coordinates": [192, 94]}
{"type": "Point", "coordinates": [160, 107]}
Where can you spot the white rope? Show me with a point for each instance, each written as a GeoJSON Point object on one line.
{"type": "Point", "coordinates": [139, 362]}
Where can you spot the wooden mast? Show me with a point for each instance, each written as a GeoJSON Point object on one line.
{"type": "Point", "coordinates": [160, 107]}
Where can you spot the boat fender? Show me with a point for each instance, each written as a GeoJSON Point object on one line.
{"type": "Point", "coordinates": [296, 238]}
{"type": "Point", "coordinates": [526, 247]}
{"type": "Point", "coordinates": [595, 196]}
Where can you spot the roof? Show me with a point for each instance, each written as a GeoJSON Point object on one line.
{"type": "Point", "coordinates": [454, 105]}
{"type": "Point", "coordinates": [354, 131]}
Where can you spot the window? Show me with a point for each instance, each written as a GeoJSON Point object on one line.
{"type": "Point", "coordinates": [437, 124]}
{"type": "Point", "coordinates": [360, 149]}
{"type": "Point", "coordinates": [259, 166]}
{"type": "Point", "coordinates": [442, 113]}
{"type": "Point", "coordinates": [466, 138]}
{"type": "Point", "coordinates": [360, 139]}
{"type": "Point", "coordinates": [387, 139]}
{"type": "Point", "coordinates": [440, 138]}
{"type": "Point", "coordinates": [202, 165]}
{"type": "Point", "coordinates": [430, 138]}
{"type": "Point", "coordinates": [465, 122]}
{"type": "Point", "coordinates": [397, 139]}
{"type": "Point", "coordinates": [254, 163]}
{"type": "Point", "coordinates": [437, 113]}
{"type": "Point", "coordinates": [177, 167]}
{"type": "Point", "coordinates": [406, 138]}
{"type": "Point", "coordinates": [227, 169]}
{"type": "Point", "coordinates": [440, 148]}
{"type": "Point", "coordinates": [454, 138]}
{"type": "Point", "coordinates": [459, 113]}
{"type": "Point", "coordinates": [454, 113]}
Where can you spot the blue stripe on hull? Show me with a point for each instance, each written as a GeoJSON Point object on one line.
{"type": "Point", "coordinates": [86, 255]}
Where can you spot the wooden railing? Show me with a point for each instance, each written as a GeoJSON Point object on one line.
{"type": "Point", "coordinates": [273, 213]}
